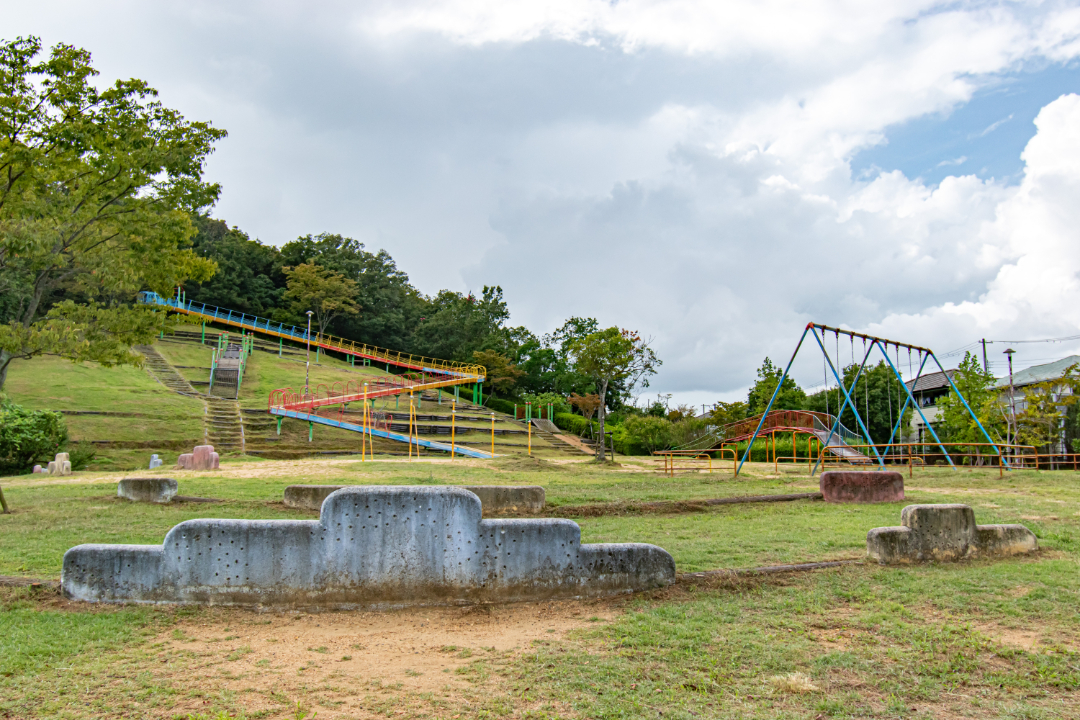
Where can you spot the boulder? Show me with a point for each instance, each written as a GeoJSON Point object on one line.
{"type": "Point", "coordinates": [945, 533]}
{"type": "Point", "coordinates": [153, 490]}
{"type": "Point", "coordinates": [861, 486]}
{"type": "Point", "coordinates": [60, 466]}
{"type": "Point", "coordinates": [371, 547]}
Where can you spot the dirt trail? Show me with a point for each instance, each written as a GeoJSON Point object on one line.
{"type": "Point", "coordinates": [352, 664]}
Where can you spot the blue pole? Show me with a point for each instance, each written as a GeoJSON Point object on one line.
{"type": "Point", "coordinates": [927, 423]}
{"type": "Point", "coordinates": [847, 399]}
{"type": "Point", "coordinates": [776, 392]}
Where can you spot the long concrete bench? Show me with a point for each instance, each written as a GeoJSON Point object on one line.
{"type": "Point", "coordinates": [371, 547]}
{"type": "Point", "coordinates": [495, 499]}
{"type": "Point", "coordinates": [945, 533]}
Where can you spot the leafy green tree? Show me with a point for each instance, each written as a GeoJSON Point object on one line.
{"type": "Point", "coordinates": [791, 396]}
{"type": "Point", "coordinates": [457, 325]}
{"type": "Point", "coordinates": [1046, 406]}
{"type": "Point", "coordinates": [28, 435]}
{"type": "Point", "coordinates": [501, 375]}
{"type": "Point", "coordinates": [548, 365]}
{"type": "Point", "coordinates": [613, 355]}
{"type": "Point", "coordinates": [324, 292]}
{"type": "Point", "coordinates": [249, 277]}
{"type": "Point", "coordinates": [725, 413]}
{"type": "Point", "coordinates": [979, 389]}
{"type": "Point", "coordinates": [96, 192]}
{"type": "Point", "coordinates": [650, 433]}
{"type": "Point", "coordinates": [878, 396]}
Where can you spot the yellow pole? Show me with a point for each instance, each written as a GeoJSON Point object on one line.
{"type": "Point", "coordinates": [363, 433]}
{"type": "Point", "coordinates": [529, 423]}
{"type": "Point", "coordinates": [411, 416]}
{"type": "Point", "coordinates": [453, 427]}
{"type": "Point", "coordinates": [492, 435]}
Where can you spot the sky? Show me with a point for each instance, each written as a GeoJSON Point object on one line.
{"type": "Point", "coordinates": [712, 174]}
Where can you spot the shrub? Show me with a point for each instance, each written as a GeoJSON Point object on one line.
{"type": "Point", "coordinates": [81, 455]}
{"type": "Point", "coordinates": [651, 433]}
{"type": "Point", "coordinates": [28, 435]}
{"type": "Point", "coordinates": [499, 405]}
{"type": "Point", "coordinates": [572, 423]}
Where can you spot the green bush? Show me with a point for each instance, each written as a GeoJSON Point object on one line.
{"type": "Point", "coordinates": [81, 455]}
{"type": "Point", "coordinates": [648, 432]}
{"type": "Point", "coordinates": [499, 405]}
{"type": "Point", "coordinates": [572, 423]}
{"type": "Point", "coordinates": [28, 435]}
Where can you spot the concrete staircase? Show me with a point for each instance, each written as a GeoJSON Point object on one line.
{"type": "Point", "coordinates": [164, 373]}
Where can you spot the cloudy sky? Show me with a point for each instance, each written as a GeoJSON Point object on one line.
{"type": "Point", "coordinates": [713, 174]}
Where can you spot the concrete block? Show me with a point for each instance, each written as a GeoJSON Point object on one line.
{"type": "Point", "coordinates": [861, 486]}
{"type": "Point", "coordinates": [38, 469]}
{"type": "Point", "coordinates": [377, 546]}
{"type": "Point", "coordinates": [155, 462]}
{"type": "Point", "coordinates": [154, 490]}
{"type": "Point", "coordinates": [945, 533]}
{"type": "Point", "coordinates": [494, 499]}
{"type": "Point", "coordinates": [60, 466]}
{"type": "Point", "coordinates": [203, 458]}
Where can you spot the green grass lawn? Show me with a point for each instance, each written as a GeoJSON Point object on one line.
{"type": "Point", "coordinates": [932, 641]}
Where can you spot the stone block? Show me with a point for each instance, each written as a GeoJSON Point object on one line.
{"type": "Point", "coordinates": [38, 469]}
{"type": "Point", "coordinates": [378, 546]}
{"type": "Point", "coordinates": [154, 490]}
{"type": "Point", "coordinates": [155, 462]}
{"type": "Point", "coordinates": [203, 458]}
{"type": "Point", "coordinates": [60, 466]}
{"type": "Point", "coordinates": [861, 486]}
{"type": "Point", "coordinates": [494, 499]}
{"type": "Point", "coordinates": [944, 533]}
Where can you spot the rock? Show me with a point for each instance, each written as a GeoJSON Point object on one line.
{"type": "Point", "coordinates": [38, 469]}
{"type": "Point", "coordinates": [371, 547]}
{"type": "Point", "coordinates": [861, 486]}
{"type": "Point", "coordinates": [155, 462]}
{"type": "Point", "coordinates": [945, 533]}
{"type": "Point", "coordinates": [203, 458]}
{"type": "Point", "coordinates": [154, 490]}
{"type": "Point", "coordinates": [494, 499]}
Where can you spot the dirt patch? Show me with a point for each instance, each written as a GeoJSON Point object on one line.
{"type": "Point", "coordinates": [1020, 638]}
{"type": "Point", "coordinates": [349, 664]}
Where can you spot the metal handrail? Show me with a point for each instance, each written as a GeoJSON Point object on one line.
{"type": "Point", "coordinates": [468, 372]}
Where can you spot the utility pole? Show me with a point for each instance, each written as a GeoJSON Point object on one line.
{"type": "Point", "coordinates": [1012, 400]}
{"type": "Point", "coordinates": [307, 364]}
{"type": "Point", "coordinates": [986, 366]}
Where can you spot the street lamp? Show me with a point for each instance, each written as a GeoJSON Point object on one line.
{"type": "Point", "coordinates": [307, 364]}
{"type": "Point", "coordinates": [1012, 401]}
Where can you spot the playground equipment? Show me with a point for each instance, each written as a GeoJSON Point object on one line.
{"type": "Point", "coordinates": [882, 344]}
{"type": "Point", "coordinates": [312, 404]}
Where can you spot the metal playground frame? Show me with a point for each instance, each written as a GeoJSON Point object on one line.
{"type": "Point", "coordinates": [882, 344]}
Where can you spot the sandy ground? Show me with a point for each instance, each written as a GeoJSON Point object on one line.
{"type": "Point", "coordinates": [353, 664]}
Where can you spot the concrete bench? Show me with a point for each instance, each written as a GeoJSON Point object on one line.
{"type": "Point", "coordinates": [495, 499]}
{"type": "Point", "coordinates": [371, 547]}
{"type": "Point", "coordinates": [861, 486]}
{"type": "Point", "coordinates": [945, 533]}
{"type": "Point", "coordinates": [153, 490]}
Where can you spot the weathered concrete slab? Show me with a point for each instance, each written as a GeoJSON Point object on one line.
{"type": "Point", "coordinates": [945, 533]}
{"type": "Point", "coordinates": [861, 486]}
{"type": "Point", "coordinates": [60, 466]}
{"type": "Point", "coordinates": [495, 499]}
{"type": "Point", "coordinates": [203, 458]}
{"type": "Point", "coordinates": [371, 547]}
{"type": "Point", "coordinates": [153, 490]}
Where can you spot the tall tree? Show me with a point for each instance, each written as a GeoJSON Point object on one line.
{"type": "Point", "coordinates": [324, 292]}
{"type": "Point", "coordinates": [96, 192]}
{"type": "Point", "coordinates": [249, 277]}
{"type": "Point", "coordinates": [790, 397]}
{"type": "Point", "coordinates": [613, 356]}
{"type": "Point", "coordinates": [879, 395]}
{"type": "Point", "coordinates": [979, 389]}
{"type": "Point", "coordinates": [1046, 405]}
{"type": "Point", "coordinates": [501, 374]}
{"type": "Point", "coordinates": [457, 325]}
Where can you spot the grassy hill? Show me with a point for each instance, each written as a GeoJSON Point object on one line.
{"type": "Point", "coordinates": [127, 413]}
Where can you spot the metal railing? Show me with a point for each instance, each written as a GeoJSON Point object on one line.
{"type": "Point", "coordinates": [465, 372]}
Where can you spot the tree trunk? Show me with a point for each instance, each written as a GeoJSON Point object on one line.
{"type": "Point", "coordinates": [602, 410]}
{"type": "Point", "coordinates": [5, 362]}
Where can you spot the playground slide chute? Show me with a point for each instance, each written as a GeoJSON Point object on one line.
{"type": "Point", "coordinates": [425, 373]}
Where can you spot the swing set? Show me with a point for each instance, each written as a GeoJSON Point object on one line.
{"type": "Point", "coordinates": [892, 452]}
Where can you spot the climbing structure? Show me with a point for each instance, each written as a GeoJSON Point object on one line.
{"type": "Point", "coordinates": [317, 405]}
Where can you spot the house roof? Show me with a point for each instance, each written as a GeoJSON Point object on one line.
{"type": "Point", "coordinates": [930, 381]}
{"type": "Point", "coordinates": [1040, 373]}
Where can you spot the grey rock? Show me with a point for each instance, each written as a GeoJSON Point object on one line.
{"type": "Point", "coordinates": [378, 546]}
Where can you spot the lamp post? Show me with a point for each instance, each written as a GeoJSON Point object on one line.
{"type": "Point", "coordinates": [307, 364]}
{"type": "Point", "coordinates": [1012, 401]}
